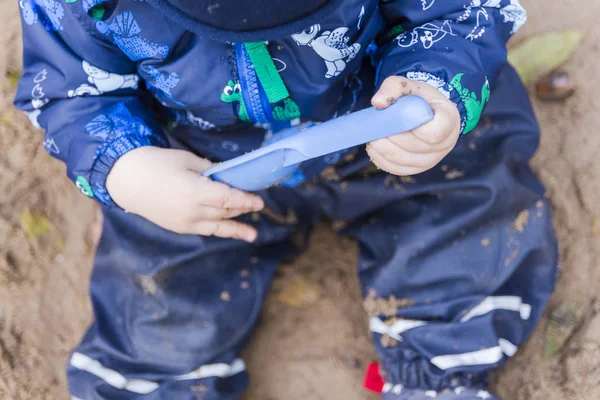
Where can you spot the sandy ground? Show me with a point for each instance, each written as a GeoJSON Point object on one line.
{"type": "Point", "coordinates": [315, 346]}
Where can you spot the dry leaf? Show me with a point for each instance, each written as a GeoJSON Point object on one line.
{"type": "Point", "coordinates": [34, 224]}
{"type": "Point", "coordinates": [13, 78]}
{"type": "Point", "coordinates": [543, 53]}
{"type": "Point", "coordinates": [4, 120]}
{"type": "Point", "coordinates": [561, 325]}
{"type": "Point", "coordinates": [299, 293]}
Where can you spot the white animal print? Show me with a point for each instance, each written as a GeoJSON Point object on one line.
{"type": "Point", "coordinates": [33, 117]}
{"type": "Point", "coordinates": [103, 81]}
{"type": "Point", "coordinates": [39, 103]}
{"type": "Point", "coordinates": [51, 146]}
{"type": "Point", "coordinates": [38, 97]}
{"type": "Point", "coordinates": [199, 122]}
{"type": "Point", "coordinates": [427, 4]}
{"type": "Point", "coordinates": [331, 46]}
{"type": "Point", "coordinates": [516, 14]}
{"type": "Point", "coordinates": [431, 80]}
{"type": "Point", "coordinates": [360, 17]}
{"type": "Point", "coordinates": [479, 30]}
{"type": "Point", "coordinates": [428, 34]}
{"type": "Point", "coordinates": [513, 12]}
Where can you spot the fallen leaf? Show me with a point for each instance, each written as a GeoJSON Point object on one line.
{"type": "Point", "coordinates": [561, 325]}
{"type": "Point", "coordinates": [34, 224]}
{"type": "Point", "coordinates": [543, 53]}
{"type": "Point", "coordinates": [5, 120]}
{"type": "Point", "coordinates": [13, 78]}
{"type": "Point", "coordinates": [299, 293]}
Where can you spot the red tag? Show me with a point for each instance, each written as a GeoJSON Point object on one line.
{"type": "Point", "coordinates": [373, 379]}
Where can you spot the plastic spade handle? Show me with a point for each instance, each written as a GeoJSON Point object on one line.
{"type": "Point", "coordinates": [358, 128]}
{"type": "Point", "coordinates": [268, 165]}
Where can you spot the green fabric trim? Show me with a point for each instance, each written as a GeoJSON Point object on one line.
{"type": "Point", "coordinates": [473, 106]}
{"type": "Point", "coordinates": [271, 81]}
{"type": "Point", "coordinates": [288, 112]}
{"type": "Point", "coordinates": [267, 72]}
{"type": "Point", "coordinates": [97, 12]}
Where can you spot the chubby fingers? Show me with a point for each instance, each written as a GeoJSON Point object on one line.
{"type": "Point", "coordinates": [225, 228]}
{"type": "Point", "coordinates": [397, 161]}
{"type": "Point", "coordinates": [441, 132]}
{"type": "Point", "coordinates": [219, 195]}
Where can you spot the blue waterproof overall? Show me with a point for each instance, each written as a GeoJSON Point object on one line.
{"type": "Point", "coordinates": [466, 250]}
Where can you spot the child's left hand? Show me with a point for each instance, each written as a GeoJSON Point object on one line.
{"type": "Point", "coordinates": [421, 149]}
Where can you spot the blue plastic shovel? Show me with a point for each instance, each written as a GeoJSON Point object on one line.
{"type": "Point", "coordinates": [273, 163]}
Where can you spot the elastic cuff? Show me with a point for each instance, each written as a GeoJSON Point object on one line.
{"type": "Point", "coordinates": [444, 88]}
{"type": "Point", "coordinates": [107, 157]}
{"type": "Point", "coordinates": [470, 103]}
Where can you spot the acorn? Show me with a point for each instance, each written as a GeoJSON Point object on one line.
{"type": "Point", "coordinates": [555, 86]}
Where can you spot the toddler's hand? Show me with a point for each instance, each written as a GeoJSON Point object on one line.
{"type": "Point", "coordinates": [413, 152]}
{"type": "Point", "coordinates": [165, 186]}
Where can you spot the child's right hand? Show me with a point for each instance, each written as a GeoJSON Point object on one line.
{"type": "Point", "coordinates": [165, 186]}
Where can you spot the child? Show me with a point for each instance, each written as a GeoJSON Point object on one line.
{"type": "Point", "coordinates": [138, 98]}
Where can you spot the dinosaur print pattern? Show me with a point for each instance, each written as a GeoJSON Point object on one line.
{"type": "Point", "coordinates": [232, 93]}
{"type": "Point", "coordinates": [426, 4]}
{"type": "Point", "coordinates": [512, 13]}
{"type": "Point", "coordinates": [84, 187]}
{"type": "Point", "coordinates": [117, 123]}
{"type": "Point", "coordinates": [473, 106]}
{"type": "Point", "coordinates": [188, 118]}
{"type": "Point", "coordinates": [331, 46]}
{"type": "Point", "coordinates": [103, 81]}
{"type": "Point", "coordinates": [427, 34]}
{"type": "Point", "coordinates": [50, 146]}
{"type": "Point", "coordinates": [38, 97]}
{"type": "Point", "coordinates": [161, 85]}
{"type": "Point", "coordinates": [125, 34]}
{"type": "Point", "coordinates": [432, 80]}
{"type": "Point", "coordinates": [479, 29]}
{"type": "Point", "coordinates": [47, 12]}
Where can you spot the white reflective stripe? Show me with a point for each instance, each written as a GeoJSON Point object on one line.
{"type": "Point", "coordinates": [480, 357]}
{"type": "Point", "coordinates": [395, 389]}
{"type": "Point", "coordinates": [378, 326]}
{"type": "Point", "coordinates": [489, 304]}
{"type": "Point", "coordinates": [113, 378]}
{"type": "Point", "coordinates": [75, 398]}
{"type": "Point", "coordinates": [507, 347]}
{"type": "Point", "coordinates": [218, 370]}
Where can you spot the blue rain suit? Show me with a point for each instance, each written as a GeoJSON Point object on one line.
{"type": "Point", "coordinates": [465, 252]}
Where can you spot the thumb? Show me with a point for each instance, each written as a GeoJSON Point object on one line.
{"type": "Point", "coordinates": [391, 89]}
{"type": "Point", "coordinates": [195, 163]}
{"type": "Point", "coordinates": [395, 87]}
